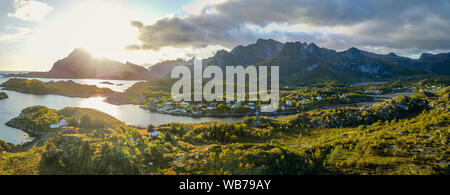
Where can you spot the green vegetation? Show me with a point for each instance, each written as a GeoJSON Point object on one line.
{"type": "Point", "coordinates": [155, 96]}
{"type": "Point", "coordinates": [397, 136]}
{"type": "Point", "coordinates": [37, 120]}
{"type": "Point", "coordinates": [3, 95]}
{"type": "Point", "coordinates": [65, 88]}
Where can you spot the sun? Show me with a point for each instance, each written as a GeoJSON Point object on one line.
{"type": "Point", "coordinates": [101, 28]}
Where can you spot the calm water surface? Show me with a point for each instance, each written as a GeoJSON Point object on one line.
{"type": "Point", "coordinates": [130, 114]}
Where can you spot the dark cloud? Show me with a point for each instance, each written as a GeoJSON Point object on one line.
{"type": "Point", "coordinates": [399, 24]}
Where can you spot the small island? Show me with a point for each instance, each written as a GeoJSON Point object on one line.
{"type": "Point", "coordinates": [106, 83]}
{"type": "Point", "coordinates": [3, 95]}
{"type": "Point", "coordinates": [40, 121]}
{"type": "Point", "coordinates": [64, 88]}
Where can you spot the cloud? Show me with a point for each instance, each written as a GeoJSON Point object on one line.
{"type": "Point", "coordinates": [30, 10]}
{"type": "Point", "coordinates": [200, 6]}
{"type": "Point", "coordinates": [14, 34]}
{"type": "Point", "coordinates": [399, 25]}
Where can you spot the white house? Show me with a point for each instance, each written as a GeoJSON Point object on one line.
{"type": "Point", "coordinates": [319, 98]}
{"type": "Point", "coordinates": [63, 123]}
{"type": "Point", "coordinates": [54, 126]}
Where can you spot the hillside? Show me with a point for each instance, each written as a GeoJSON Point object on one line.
{"type": "Point", "coordinates": [401, 136]}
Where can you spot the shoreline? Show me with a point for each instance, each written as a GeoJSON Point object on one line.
{"type": "Point", "coordinates": [64, 77]}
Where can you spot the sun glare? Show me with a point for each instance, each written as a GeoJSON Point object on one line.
{"type": "Point", "coordinates": [101, 28]}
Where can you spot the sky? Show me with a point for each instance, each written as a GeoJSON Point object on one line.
{"type": "Point", "coordinates": [36, 33]}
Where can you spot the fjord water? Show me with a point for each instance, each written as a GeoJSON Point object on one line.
{"type": "Point", "coordinates": [130, 114]}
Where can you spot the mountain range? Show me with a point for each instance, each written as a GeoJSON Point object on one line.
{"type": "Point", "coordinates": [299, 62]}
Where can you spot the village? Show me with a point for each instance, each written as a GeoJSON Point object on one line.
{"type": "Point", "coordinates": [290, 103]}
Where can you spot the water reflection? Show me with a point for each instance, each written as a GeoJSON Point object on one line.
{"type": "Point", "coordinates": [130, 114]}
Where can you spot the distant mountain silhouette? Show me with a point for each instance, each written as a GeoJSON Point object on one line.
{"type": "Point", "coordinates": [261, 51]}
{"type": "Point", "coordinates": [81, 64]}
{"type": "Point", "coordinates": [164, 69]}
{"type": "Point", "coordinates": [301, 62]}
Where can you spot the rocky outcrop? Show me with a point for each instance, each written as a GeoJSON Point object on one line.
{"type": "Point", "coordinates": [3, 95]}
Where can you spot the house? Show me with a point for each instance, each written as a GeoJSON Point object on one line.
{"type": "Point", "coordinates": [54, 126]}
{"type": "Point", "coordinates": [319, 98]}
{"type": "Point", "coordinates": [63, 123]}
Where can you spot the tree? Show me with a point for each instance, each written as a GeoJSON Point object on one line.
{"type": "Point", "coordinates": [223, 108]}
{"type": "Point", "coordinates": [150, 128]}
{"type": "Point", "coordinates": [86, 121]}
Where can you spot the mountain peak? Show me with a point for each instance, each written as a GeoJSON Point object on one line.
{"type": "Point", "coordinates": [81, 64]}
{"type": "Point", "coordinates": [425, 55]}
{"type": "Point", "coordinates": [353, 53]}
{"type": "Point", "coordinates": [392, 54]}
{"type": "Point", "coordinates": [266, 41]}
{"type": "Point", "coordinates": [312, 48]}
{"type": "Point", "coordinates": [79, 52]}
{"type": "Point", "coordinates": [313, 45]}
